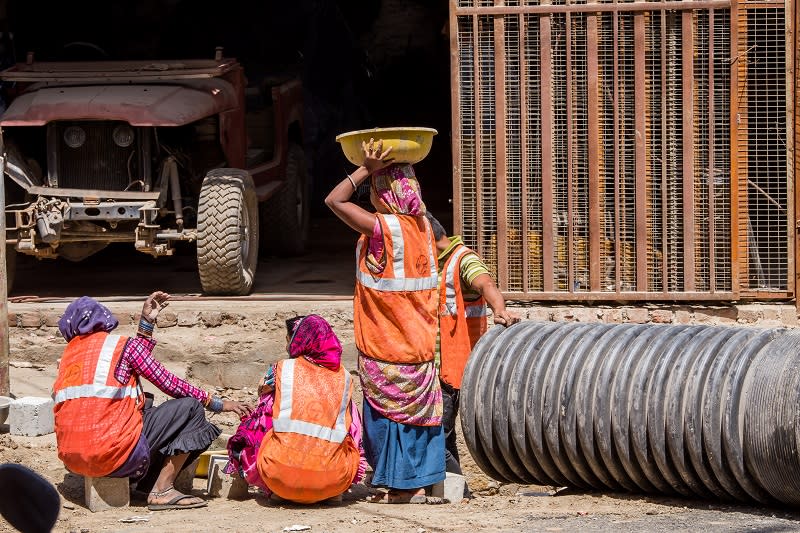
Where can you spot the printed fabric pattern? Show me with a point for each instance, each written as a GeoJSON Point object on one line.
{"type": "Point", "coordinates": [405, 393]}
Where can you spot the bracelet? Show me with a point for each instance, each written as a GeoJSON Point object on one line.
{"type": "Point", "coordinates": [146, 328]}
{"type": "Point", "coordinates": [353, 183]}
{"type": "Point", "coordinates": [215, 405]}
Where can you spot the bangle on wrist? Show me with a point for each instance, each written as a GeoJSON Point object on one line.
{"type": "Point", "coordinates": [353, 183]}
{"type": "Point", "coordinates": [146, 327]}
{"type": "Point", "coordinates": [215, 405]}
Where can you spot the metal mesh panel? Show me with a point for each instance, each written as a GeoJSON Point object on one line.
{"type": "Point", "coordinates": [533, 147]}
{"type": "Point", "coordinates": [674, 152]}
{"type": "Point", "coordinates": [654, 66]}
{"type": "Point", "coordinates": [487, 166]}
{"type": "Point", "coordinates": [579, 150]}
{"type": "Point", "coordinates": [607, 161]}
{"type": "Point", "coordinates": [654, 145]}
{"type": "Point", "coordinates": [702, 125]}
{"type": "Point", "coordinates": [722, 151]}
{"type": "Point", "coordinates": [762, 161]}
{"type": "Point", "coordinates": [466, 110]}
{"type": "Point", "coordinates": [513, 124]}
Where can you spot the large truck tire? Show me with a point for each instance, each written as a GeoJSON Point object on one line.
{"type": "Point", "coordinates": [285, 217]}
{"type": "Point", "coordinates": [227, 232]}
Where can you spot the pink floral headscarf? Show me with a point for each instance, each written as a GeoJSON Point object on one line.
{"type": "Point", "coordinates": [314, 340]}
{"type": "Point", "coordinates": [397, 189]}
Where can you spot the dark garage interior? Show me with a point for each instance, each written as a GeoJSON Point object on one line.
{"type": "Point", "coordinates": [363, 64]}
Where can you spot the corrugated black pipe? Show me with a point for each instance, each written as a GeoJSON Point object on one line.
{"type": "Point", "coordinates": [700, 411]}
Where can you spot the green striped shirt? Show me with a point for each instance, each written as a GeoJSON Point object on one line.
{"type": "Point", "coordinates": [470, 268]}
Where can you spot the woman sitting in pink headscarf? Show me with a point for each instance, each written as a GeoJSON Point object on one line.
{"type": "Point", "coordinates": [303, 407]}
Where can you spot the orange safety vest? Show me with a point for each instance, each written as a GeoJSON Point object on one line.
{"type": "Point", "coordinates": [308, 455]}
{"type": "Point", "coordinates": [98, 420]}
{"type": "Point", "coordinates": [395, 312]}
{"type": "Point", "coordinates": [461, 323]}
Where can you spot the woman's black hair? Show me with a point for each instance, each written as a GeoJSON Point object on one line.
{"type": "Point", "coordinates": [436, 226]}
{"type": "Point", "coordinates": [291, 324]}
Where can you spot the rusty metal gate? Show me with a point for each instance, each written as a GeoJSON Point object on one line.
{"type": "Point", "coordinates": [634, 150]}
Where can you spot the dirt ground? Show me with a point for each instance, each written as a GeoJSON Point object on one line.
{"type": "Point", "coordinates": [495, 506]}
{"type": "Point", "coordinates": [236, 353]}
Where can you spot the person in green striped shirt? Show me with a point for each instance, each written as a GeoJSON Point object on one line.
{"type": "Point", "coordinates": [476, 281]}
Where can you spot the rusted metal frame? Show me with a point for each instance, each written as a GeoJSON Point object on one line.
{"type": "Point", "coordinates": [628, 296]}
{"type": "Point", "coordinates": [58, 192]}
{"type": "Point", "coordinates": [593, 93]}
{"type": "Point", "coordinates": [640, 111]}
{"type": "Point", "coordinates": [791, 186]}
{"type": "Point", "coordinates": [478, 138]}
{"type": "Point", "coordinates": [524, 178]}
{"type": "Point", "coordinates": [712, 239]}
{"type": "Point", "coordinates": [547, 152]}
{"type": "Point", "coordinates": [687, 64]}
{"type": "Point", "coordinates": [570, 163]}
{"type": "Point", "coordinates": [546, 8]}
{"type": "Point", "coordinates": [664, 166]}
{"type": "Point", "coordinates": [501, 196]}
{"type": "Point", "coordinates": [617, 165]}
{"type": "Point", "coordinates": [455, 115]}
{"type": "Point", "coordinates": [796, 138]}
{"type": "Point", "coordinates": [735, 253]}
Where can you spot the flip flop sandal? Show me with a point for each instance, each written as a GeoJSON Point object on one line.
{"type": "Point", "coordinates": [173, 504]}
{"type": "Point", "coordinates": [389, 498]}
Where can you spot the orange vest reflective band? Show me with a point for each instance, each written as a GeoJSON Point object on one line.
{"type": "Point", "coordinates": [461, 323]}
{"type": "Point", "coordinates": [394, 313]}
{"type": "Point", "coordinates": [308, 455]}
{"type": "Point", "coordinates": [98, 420]}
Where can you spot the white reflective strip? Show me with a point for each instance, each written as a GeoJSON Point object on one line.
{"type": "Point", "coordinates": [94, 391]}
{"type": "Point", "coordinates": [287, 389]}
{"type": "Point", "coordinates": [104, 361]}
{"type": "Point", "coordinates": [284, 422]}
{"type": "Point", "coordinates": [398, 245]}
{"type": "Point", "coordinates": [389, 285]}
{"type": "Point", "coordinates": [450, 277]}
{"type": "Point", "coordinates": [309, 429]}
{"type": "Point", "coordinates": [475, 311]}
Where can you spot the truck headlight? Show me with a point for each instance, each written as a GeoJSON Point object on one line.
{"type": "Point", "coordinates": [74, 136]}
{"type": "Point", "coordinates": [123, 136]}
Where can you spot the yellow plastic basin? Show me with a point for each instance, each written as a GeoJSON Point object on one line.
{"type": "Point", "coordinates": [203, 460]}
{"type": "Point", "coordinates": [409, 145]}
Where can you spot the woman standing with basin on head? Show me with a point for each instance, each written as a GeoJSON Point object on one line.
{"type": "Point", "coordinates": [395, 314]}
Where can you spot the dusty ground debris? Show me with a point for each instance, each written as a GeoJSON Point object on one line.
{"type": "Point", "coordinates": [207, 355]}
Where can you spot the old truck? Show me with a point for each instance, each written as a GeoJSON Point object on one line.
{"type": "Point", "coordinates": [154, 154]}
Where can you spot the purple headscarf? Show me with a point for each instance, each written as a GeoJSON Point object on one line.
{"type": "Point", "coordinates": [85, 315]}
{"type": "Point", "coordinates": [315, 340]}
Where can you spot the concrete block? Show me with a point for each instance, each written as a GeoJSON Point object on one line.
{"type": "Point", "coordinates": [167, 319]}
{"type": "Point", "coordinates": [184, 482]}
{"type": "Point", "coordinates": [31, 416]}
{"type": "Point", "coordinates": [637, 315]}
{"type": "Point", "coordinates": [30, 320]}
{"type": "Point", "coordinates": [188, 318]}
{"type": "Point", "coordinates": [451, 489]}
{"type": "Point", "coordinates": [103, 493]}
{"type": "Point", "coordinates": [661, 316]}
{"type": "Point", "coordinates": [224, 485]}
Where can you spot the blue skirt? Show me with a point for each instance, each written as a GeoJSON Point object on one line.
{"type": "Point", "coordinates": [402, 456]}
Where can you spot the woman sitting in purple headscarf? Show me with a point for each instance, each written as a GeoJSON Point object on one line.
{"type": "Point", "coordinates": [104, 425]}
{"type": "Point", "coordinates": [303, 417]}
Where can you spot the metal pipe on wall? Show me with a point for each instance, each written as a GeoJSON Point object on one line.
{"type": "Point", "coordinates": [699, 411]}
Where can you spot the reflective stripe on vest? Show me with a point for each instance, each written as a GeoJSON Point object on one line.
{"type": "Point", "coordinates": [284, 422]}
{"type": "Point", "coordinates": [400, 282]}
{"type": "Point", "coordinates": [471, 309]}
{"type": "Point", "coordinates": [99, 388]}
